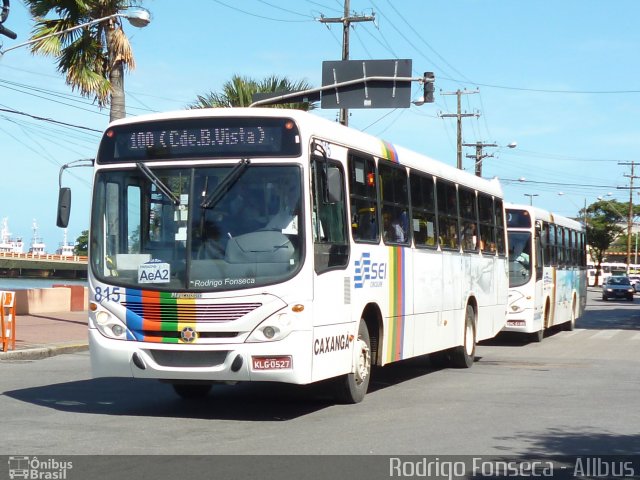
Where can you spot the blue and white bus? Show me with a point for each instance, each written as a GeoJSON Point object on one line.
{"type": "Point", "coordinates": [547, 270]}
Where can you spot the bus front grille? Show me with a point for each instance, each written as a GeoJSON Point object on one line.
{"type": "Point", "coordinates": [190, 312]}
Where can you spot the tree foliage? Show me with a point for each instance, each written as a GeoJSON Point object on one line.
{"type": "Point", "coordinates": [238, 92]}
{"type": "Point", "coordinates": [93, 58]}
{"type": "Point", "coordinates": [82, 244]}
{"type": "Point", "coordinates": [602, 219]}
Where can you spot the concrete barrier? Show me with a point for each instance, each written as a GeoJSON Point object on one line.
{"type": "Point", "coordinates": [61, 298]}
{"type": "Point", "coordinates": [79, 298]}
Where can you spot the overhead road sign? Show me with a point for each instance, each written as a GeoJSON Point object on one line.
{"type": "Point", "coordinates": [382, 84]}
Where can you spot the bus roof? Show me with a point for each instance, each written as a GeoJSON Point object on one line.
{"type": "Point", "coordinates": [314, 126]}
{"type": "Point", "coordinates": [547, 216]}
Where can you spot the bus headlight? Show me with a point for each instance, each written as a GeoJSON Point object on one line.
{"type": "Point", "coordinates": [109, 325]}
{"type": "Point", "coordinates": [272, 329]}
{"type": "Point", "coordinates": [515, 308]}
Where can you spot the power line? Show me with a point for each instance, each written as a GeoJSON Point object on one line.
{"type": "Point", "coordinates": [50, 120]}
{"type": "Point", "coordinates": [262, 16]}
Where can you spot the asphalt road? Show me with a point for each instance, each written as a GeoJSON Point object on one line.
{"type": "Point", "coordinates": [574, 393]}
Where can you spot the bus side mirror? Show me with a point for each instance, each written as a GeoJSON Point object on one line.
{"type": "Point", "coordinates": [334, 185]}
{"type": "Point", "coordinates": [64, 207]}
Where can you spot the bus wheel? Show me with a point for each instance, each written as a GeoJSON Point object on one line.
{"type": "Point", "coordinates": [192, 390]}
{"type": "Point", "coordinates": [464, 355]}
{"type": "Point", "coordinates": [352, 387]}
{"type": "Point", "coordinates": [571, 324]}
{"type": "Point", "coordinates": [538, 336]}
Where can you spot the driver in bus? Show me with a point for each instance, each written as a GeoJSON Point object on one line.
{"type": "Point", "coordinates": [286, 219]}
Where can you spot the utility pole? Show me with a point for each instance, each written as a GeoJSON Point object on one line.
{"type": "Point", "coordinates": [346, 20]}
{"type": "Point", "coordinates": [630, 212]}
{"type": "Point", "coordinates": [479, 156]}
{"type": "Point", "coordinates": [459, 116]}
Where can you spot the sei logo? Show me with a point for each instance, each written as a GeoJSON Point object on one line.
{"type": "Point", "coordinates": [369, 273]}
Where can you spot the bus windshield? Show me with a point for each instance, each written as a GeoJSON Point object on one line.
{"type": "Point", "coordinates": [519, 258]}
{"type": "Point", "coordinates": [204, 228]}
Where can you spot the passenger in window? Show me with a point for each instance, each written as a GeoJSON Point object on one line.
{"type": "Point", "coordinates": [469, 237]}
{"type": "Point", "coordinates": [393, 231]}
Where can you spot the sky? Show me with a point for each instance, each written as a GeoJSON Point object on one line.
{"type": "Point", "coordinates": [560, 79]}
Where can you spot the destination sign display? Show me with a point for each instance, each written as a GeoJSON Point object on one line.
{"type": "Point", "coordinates": [518, 219]}
{"type": "Point", "coordinates": [200, 138]}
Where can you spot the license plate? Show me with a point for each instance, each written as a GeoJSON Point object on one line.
{"type": "Point", "coordinates": [516, 323]}
{"type": "Point", "coordinates": [272, 363]}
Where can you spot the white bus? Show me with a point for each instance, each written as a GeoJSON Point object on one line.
{"type": "Point", "coordinates": [272, 245]}
{"type": "Point", "coordinates": [547, 270]}
{"type": "Point", "coordinates": [607, 269]}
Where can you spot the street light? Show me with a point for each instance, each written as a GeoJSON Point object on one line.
{"type": "Point", "coordinates": [531, 195]}
{"type": "Point", "coordinates": [584, 211]}
{"type": "Point", "coordinates": [137, 16]}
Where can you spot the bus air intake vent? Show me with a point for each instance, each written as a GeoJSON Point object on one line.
{"type": "Point", "coordinates": [182, 359]}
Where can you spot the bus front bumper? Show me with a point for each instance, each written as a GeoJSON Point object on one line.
{"type": "Point", "coordinates": [523, 322]}
{"type": "Point", "coordinates": [281, 361]}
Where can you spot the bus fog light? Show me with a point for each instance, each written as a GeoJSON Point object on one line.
{"type": "Point", "coordinates": [117, 330]}
{"type": "Point", "coordinates": [274, 328]}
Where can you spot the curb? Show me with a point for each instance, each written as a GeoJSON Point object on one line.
{"type": "Point", "coordinates": [39, 353]}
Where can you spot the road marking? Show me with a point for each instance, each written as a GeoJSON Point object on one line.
{"type": "Point", "coordinates": [606, 334]}
{"type": "Point", "coordinates": [575, 331]}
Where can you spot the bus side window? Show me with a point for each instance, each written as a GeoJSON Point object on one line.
{"type": "Point", "coordinates": [363, 199]}
{"type": "Point", "coordinates": [487, 224]}
{"type": "Point", "coordinates": [469, 218]}
{"type": "Point", "coordinates": [539, 251]}
{"type": "Point", "coordinates": [329, 217]}
{"type": "Point", "coordinates": [448, 227]}
{"type": "Point", "coordinates": [394, 201]}
{"type": "Point", "coordinates": [423, 208]}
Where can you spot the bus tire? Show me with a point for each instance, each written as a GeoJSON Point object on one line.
{"type": "Point", "coordinates": [190, 391]}
{"type": "Point", "coordinates": [352, 387]}
{"type": "Point", "coordinates": [571, 324]}
{"type": "Point", "coordinates": [464, 355]}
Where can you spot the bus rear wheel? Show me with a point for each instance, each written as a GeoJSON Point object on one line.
{"type": "Point", "coordinates": [464, 355]}
{"type": "Point", "coordinates": [352, 387]}
{"type": "Point", "coordinates": [571, 324]}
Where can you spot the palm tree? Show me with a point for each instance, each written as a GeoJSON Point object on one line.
{"type": "Point", "coordinates": [239, 90]}
{"type": "Point", "coordinates": [92, 58]}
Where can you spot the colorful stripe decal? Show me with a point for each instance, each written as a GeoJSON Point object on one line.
{"type": "Point", "coordinates": [156, 305]}
{"type": "Point", "coordinates": [395, 336]}
{"type": "Point", "coordinates": [389, 152]}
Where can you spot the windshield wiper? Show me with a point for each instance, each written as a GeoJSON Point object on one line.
{"type": "Point", "coordinates": [226, 184]}
{"type": "Point", "coordinates": [157, 182]}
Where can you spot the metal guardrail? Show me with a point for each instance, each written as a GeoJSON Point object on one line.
{"type": "Point", "coordinates": [45, 256]}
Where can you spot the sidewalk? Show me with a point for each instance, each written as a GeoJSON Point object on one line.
{"type": "Point", "coordinates": [46, 334]}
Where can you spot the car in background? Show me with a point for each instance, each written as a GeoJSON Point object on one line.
{"type": "Point", "coordinates": [635, 282]}
{"type": "Point", "coordinates": [617, 286]}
